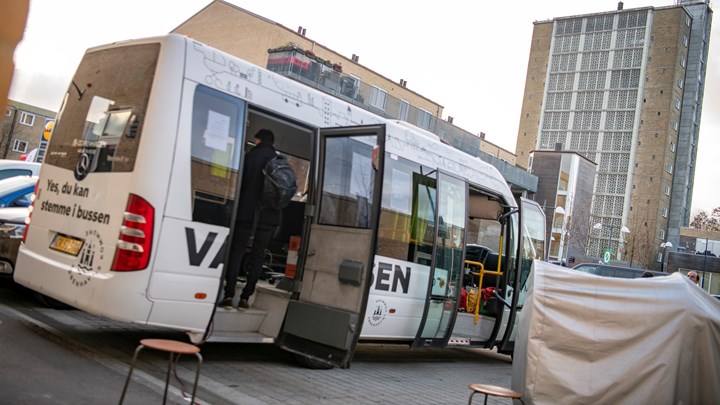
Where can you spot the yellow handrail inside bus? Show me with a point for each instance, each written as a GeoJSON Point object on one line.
{"type": "Point", "coordinates": [500, 251]}
{"type": "Point", "coordinates": [481, 274]}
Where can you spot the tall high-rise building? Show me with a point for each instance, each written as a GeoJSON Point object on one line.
{"type": "Point", "coordinates": [623, 88]}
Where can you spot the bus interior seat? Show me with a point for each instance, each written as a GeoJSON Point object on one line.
{"type": "Point", "coordinates": [475, 253]}
{"type": "Point", "coordinates": [489, 259]}
{"type": "Point", "coordinates": [491, 263]}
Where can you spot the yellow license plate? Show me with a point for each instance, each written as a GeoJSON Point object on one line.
{"type": "Point", "coordinates": [66, 244]}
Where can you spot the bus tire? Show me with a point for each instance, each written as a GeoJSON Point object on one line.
{"type": "Point", "coordinates": [312, 363]}
{"type": "Point", "coordinates": [51, 302]}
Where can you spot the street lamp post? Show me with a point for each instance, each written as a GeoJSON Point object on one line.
{"type": "Point", "coordinates": [664, 246]}
{"type": "Point", "coordinates": [623, 230]}
{"type": "Point", "coordinates": [561, 211]}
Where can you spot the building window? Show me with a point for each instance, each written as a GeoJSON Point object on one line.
{"type": "Point", "coordinates": [423, 119]}
{"type": "Point", "coordinates": [677, 104]}
{"type": "Point", "coordinates": [670, 168]}
{"type": "Point", "coordinates": [687, 20]}
{"type": "Point", "coordinates": [667, 190]}
{"type": "Point", "coordinates": [664, 212]}
{"type": "Point", "coordinates": [680, 83]}
{"type": "Point", "coordinates": [675, 125]}
{"type": "Point", "coordinates": [685, 41]}
{"type": "Point", "coordinates": [662, 234]}
{"type": "Point", "coordinates": [683, 61]}
{"type": "Point", "coordinates": [349, 86]}
{"type": "Point", "coordinates": [404, 108]}
{"type": "Point", "coordinates": [20, 146]}
{"type": "Point", "coordinates": [27, 118]}
{"type": "Point", "coordinates": [378, 98]}
{"type": "Point", "coordinates": [672, 146]}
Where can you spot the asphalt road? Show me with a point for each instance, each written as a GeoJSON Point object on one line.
{"type": "Point", "coordinates": [70, 357]}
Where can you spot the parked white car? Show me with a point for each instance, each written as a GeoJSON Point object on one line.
{"type": "Point", "coordinates": [11, 168]}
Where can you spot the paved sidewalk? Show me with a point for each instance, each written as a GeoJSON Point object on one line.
{"type": "Point", "coordinates": [379, 374]}
{"type": "Point", "coordinates": [255, 374]}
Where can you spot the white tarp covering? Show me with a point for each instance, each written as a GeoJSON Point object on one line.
{"type": "Point", "coordinates": [586, 339]}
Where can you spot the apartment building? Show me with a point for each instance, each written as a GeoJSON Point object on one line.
{"type": "Point", "coordinates": [24, 128]}
{"type": "Point", "coordinates": [624, 89]}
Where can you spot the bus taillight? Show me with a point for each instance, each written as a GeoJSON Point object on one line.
{"type": "Point", "coordinates": [30, 210]}
{"type": "Point", "coordinates": [133, 246]}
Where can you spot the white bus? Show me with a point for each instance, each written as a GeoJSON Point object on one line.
{"type": "Point", "coordinates": [134, 211]}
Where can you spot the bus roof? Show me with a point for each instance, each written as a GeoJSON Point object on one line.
{"type": "Point", "coordinates": [235, 76]}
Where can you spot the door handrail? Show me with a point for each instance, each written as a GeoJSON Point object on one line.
{"type": "Point", "coordinates": [481, 274]}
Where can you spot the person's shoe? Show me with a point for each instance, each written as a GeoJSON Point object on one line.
{"type": "Point", "coordinates": [243, 304]}
{"type": "Point", "coordinates": [226, 303]}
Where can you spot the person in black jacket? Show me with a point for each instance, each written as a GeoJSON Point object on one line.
{"type": "Point", "coordinates": [250, 211]}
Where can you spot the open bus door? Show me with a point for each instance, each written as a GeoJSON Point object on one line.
{"type": "Point", "coordinates": [448, 258]}
{"type": "Point", "coordinates": [532, 247]}
{"type": "Point", "coordinates": [336, 259]}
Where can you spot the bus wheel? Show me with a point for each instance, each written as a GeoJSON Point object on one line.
{"type": "Point", "coordinates": [312, 363]}
{"type": "Point", "coordinates": [51, 302]}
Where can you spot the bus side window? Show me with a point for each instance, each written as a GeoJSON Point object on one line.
{"type": "Point", "coordinates": [217, 134]}
{"type": "Point", "coordinates": [407, 218]}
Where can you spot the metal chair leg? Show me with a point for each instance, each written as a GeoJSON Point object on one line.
{"type": "Point", "coordinates": [197, 377]}
{"type": "Point", "coordinates": [471, 398]}
{"type": "Point", "coordinates": [167, 377]}
{"type": "Point", "coordinates": [132, 367]}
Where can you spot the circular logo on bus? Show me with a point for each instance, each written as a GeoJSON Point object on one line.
{"type": "Point", "coordinates": [83, 167]}
{"type": "Point", "coordinates": [89, 259]}
{"type": "Point", "coordinates": [378, 314]}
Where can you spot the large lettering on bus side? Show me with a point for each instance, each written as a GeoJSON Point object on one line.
{"type": "Point", "coordinates": [398, 277]}
{"type": "Point", "coordinates": [397, 292]}
{"type": "Point", "coordinates": [196, 256]}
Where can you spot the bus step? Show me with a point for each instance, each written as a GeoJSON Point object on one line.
{"type": "Point", "coordinates": [459, 341]}
{"type": "Point", "coordinates": [239, 337]}
{"type": "Point", "coordinates": [233, 320]}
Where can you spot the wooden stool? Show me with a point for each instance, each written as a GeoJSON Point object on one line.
{"type": "Point", "coordinates": [172, 347]}
{"type": "Point", "coordinates": [493, 390]}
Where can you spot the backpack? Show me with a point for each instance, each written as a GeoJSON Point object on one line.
{"type": "Point", "coordinates": [279, 186]}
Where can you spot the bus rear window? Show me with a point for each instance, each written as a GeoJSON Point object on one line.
{"type": "Point", "coordinates": [103, 111]}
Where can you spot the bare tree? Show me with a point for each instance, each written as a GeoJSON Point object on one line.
{"type": "Point", "coordinates": [703, 220]}
{"type": "Point", "coordinates": [639, 246]}
{"type": "Point", "coordinates": [578, 228]}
